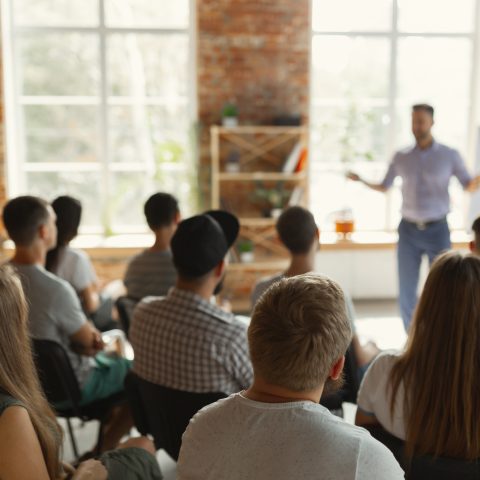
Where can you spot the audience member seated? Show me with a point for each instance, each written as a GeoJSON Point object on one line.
{"type": "Point", "coordinates": [475, 243]}
{"type": "Point", "coordinates": [276, 429]}
{"type": "Point", "coordinates": [428, 395]}
{"type": "Point", "coordinates": [75, 267]}
{"type": "Point", "coordinates": [152, 273]}
{"type": "Point", "coordinates": [184, 341]}
{"type": "Point", "coordinates": [30, 437]}
{"type": "Point", "coordinates": [299, 233]}
{"type": "Point", "coordinates": [55, 312]}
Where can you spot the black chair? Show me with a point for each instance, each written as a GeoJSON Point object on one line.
{"type": "Point", "coordinates": [164, 412]}
{"type": "Point", "coordinates": [426, 467]}
{"type": "Point", "coordinates": [348, 392]}
{"type": "Point", "coordinates": [60, 385]}
{"type": "Point", "coordinates": [125, 306]}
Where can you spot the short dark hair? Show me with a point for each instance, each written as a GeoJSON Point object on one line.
{"type": "Point", "coordinates": [297, 229]}
{"type": "Point", "coordinates": [22, 216]}
{"type": "Point", "coordinates": [160, 210]}
{"type": "Point", "coordinates": [425, 107]}
{"type": "Point", "coordinates": [476, 226]}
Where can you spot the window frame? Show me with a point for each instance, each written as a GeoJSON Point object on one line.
{"type": "Point", "coordinates": [393, 35]}
{"type": "Point", "coordinates": [16, 166]}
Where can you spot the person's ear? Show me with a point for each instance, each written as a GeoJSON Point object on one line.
{"type": "Point", "coordinates": [337, 368]}
{"type": "Point", "coordinates": [42, 231]}
{"type": "Point", "coordinates": [471, 244]}
{"type": "Point", "coordinates": [220, 269]}
{"type": "Point", "coordinates": [178, 217]}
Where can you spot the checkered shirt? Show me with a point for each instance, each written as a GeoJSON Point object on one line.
{"type": "Point", "coordinates": [184, 342]}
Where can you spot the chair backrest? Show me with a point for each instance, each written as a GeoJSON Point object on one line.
{"type": "Point", "coordinates": [426, 467]}
{"type": "Point", "coordinates": [164, 412]}
{"type": "Point", "coordinates": [125, 306]}
{"type": "Point", "coordinates": [56, 373]}
{"type": "Point", "coordinates": [349, 390]}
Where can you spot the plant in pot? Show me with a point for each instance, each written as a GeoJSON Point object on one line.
{"type": "Point", "coordinates": [245, 250]}
{"type": "Point", "coordinates": [272, 199]}
{"type": "Point", "coordinates": [230, 115]}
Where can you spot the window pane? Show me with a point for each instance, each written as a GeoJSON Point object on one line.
{"type": "Point", "coordinates": [58, 64]}
{"type": "Point", "coordinates": [130, 190]}
{"type": "Point", "coordinates": [146, 13]}
{"type": "Point", "coordinates": [330, 192]}
{"type": "Point", "coordinates": [84, 186]}
{"type": "Point", "coordinates": [137, 133]}
{"type": "Point", "coordinates": [61, 133]}
{"type": "Point", "coordinates": [436, 15]}
{"type": "Point", "coordinates": [347, 15]}
{"type": "Point", "coordinates": [435, 71]}
{"type": "Point", "coordinates": [56, 12]}
{"type": "Point", "coordinates": [141, 65]}
{"type": "Point", "coordinates": [350, 68]}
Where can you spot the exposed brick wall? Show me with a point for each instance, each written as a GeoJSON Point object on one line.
{"type": "Point", "coordinates": [256, 54]}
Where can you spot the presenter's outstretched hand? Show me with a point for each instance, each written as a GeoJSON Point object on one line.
{"type": "Point", "coordinates": [353, 176]}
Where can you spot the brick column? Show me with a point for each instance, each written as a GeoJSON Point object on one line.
{"type": "Point", "coordinates": [255, 54]}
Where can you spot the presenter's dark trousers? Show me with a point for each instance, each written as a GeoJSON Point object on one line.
{"type": "Point", "coordinates": [414, 241]}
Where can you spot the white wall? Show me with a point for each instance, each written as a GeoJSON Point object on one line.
{"type": "Point", "coordinates": [364, 274]}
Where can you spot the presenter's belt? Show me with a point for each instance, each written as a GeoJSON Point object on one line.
{"type": "Point", "coordinates": [424, 225]}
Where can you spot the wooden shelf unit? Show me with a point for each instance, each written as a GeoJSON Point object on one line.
{"type": "Point", "coordinates": [261, 154]}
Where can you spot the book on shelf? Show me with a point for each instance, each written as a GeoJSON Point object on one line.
{"type": "Point", "coordinates": [296, 196]}
{"type": "Point", "coordinates": [302, 161]}
{"type": "Point", "coordinates": [293, 157]}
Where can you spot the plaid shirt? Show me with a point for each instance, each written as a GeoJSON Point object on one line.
{"type": "Point", "coordinates": [184, 342]}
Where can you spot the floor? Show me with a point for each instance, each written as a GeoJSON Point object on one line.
{"type": "Point", "coordinates": [377, 320]}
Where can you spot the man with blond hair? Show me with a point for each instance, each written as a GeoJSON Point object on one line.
{"type": "Point", "coordinates": [276, 429]}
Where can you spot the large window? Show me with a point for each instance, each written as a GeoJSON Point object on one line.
{"type": "Point", "coordinates": [371, 60]}
{"type": "Point", "coordinates": [100, 104]}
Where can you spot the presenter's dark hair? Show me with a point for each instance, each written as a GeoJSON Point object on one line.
{"type": "Point", "coordinates": [297, 229]}
{"type": "Point", "coordinates": [425, 107]}
{"type": "Point", "coordinates": [22, 216]}
{"type": "Point", "coordinates": [160, 210]}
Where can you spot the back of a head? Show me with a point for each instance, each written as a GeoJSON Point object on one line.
{"type": "Point", "coordinates": [297, 229]}
{"type": "Point", "coordinates": [22, 216]}
{"type": "Point", "coordinates": [161, 210]}
{"type": "Point", "coordinates": [440, 366]}
{"type": "Point", "coordinates": [299, 329]}
{"type": "Point", "coordinates": [69, 213]}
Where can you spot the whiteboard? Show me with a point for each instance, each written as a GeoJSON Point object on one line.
{"type": "Point", "coordinates": [474, 210]}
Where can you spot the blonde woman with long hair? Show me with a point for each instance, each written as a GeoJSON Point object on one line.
{"type": "Point", "coordinates": [30, 437]}
{"type": "Point", "coordinates": [429, 394]}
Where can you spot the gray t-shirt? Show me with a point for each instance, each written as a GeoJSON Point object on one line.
{"type": "Point", "coordinates": [55, 312]}
{"type": "Point", "coordinates": [150, 274]}
{"type": "Point", "coordinates": [240, 439]}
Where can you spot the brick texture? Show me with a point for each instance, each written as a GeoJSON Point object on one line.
{"type": "Point", "coordinates": [254, 54]}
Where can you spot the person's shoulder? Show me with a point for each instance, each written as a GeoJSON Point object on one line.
{"type": "Point", "coordinates": [404, 152]}
{"type": "Point", "coordinates": [150, 305]}
{"type": "Point", "coordinates": [214, 411]}
{"type": "Point", "coordinates": [263, 284]}
{"type": "Point", "coordinates": [77, 254]}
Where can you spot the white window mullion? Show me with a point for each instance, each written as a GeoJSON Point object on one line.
{"type": "Point", "coordinates": [104, 134]}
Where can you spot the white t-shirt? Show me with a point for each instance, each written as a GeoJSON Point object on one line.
{"type": "Point", "coordinates": [374, 394]}
{"type": "Point", "coordinates": [75, 267]}
{"type": "Point", "coordinates": [240, 439]}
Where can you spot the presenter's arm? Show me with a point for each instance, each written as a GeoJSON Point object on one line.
{"type": "Point", "coordinates": [374, 186]}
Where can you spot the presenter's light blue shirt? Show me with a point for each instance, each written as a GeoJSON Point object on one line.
{"type": "Point", "coordinates": [425, 178]}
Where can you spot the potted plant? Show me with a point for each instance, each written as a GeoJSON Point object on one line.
{"type": "Point", "coordinates": [245, 251]}
{"type": "Point", "coordinates": [272, 199]}
{"type": "Point", "coordinates": [230, 115]}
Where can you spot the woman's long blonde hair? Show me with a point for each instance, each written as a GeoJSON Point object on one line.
{"type": "Point", "coordinates": [18, 377]}
{"type": "Point", "coordinates": [440, 368]}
